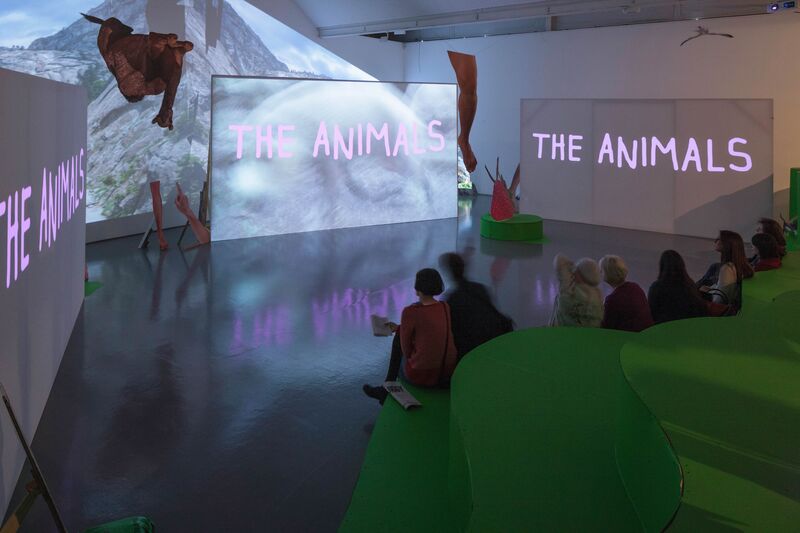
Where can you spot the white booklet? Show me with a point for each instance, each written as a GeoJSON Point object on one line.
{"type": "Point", "coordinates": [379, 327]}
{"type": "Point", "coordinates": [399, 393]}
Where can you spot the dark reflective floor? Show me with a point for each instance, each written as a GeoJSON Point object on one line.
{"type": "Point", "coordinates": [219, 389]}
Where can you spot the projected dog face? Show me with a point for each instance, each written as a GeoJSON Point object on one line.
{"type": "Point", "coordinates": [291, 156]}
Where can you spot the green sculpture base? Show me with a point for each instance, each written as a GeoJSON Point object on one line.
{"type": "Point", "coordinates": [525, 228]}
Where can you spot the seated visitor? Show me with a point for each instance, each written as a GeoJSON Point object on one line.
{"type": "Point", "coordinates": [423, 342]}
{"type": "Point", "coordinates": [771, 227]}
{"type": "Point", "coordinates": [579, 301]}
{"type": "Point", "coordinates": [626, 307]}
{"type": "Point", "coordinates": [710, 278]}
{"type": "Point", "coordinates": [674, 296]}
{"type": "Point", "coordinates": [768, 256]}
{"type": "Point", "coordinates": [475, 318]}
{"type": "Point", "coordinates": [734, 267]}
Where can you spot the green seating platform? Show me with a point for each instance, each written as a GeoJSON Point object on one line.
{"type": "Point", "coordinates": [520, 227]}
{"type": "Point", "coordinates": [692, 425]}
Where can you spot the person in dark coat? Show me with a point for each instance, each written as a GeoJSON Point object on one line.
{"type": "Point", "coordinates": [475, 318]}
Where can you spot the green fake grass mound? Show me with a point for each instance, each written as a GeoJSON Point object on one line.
{"type": "Point", "coordinates": [561, 413]}
{"type": "Point", "coordinates": [403, 483]}
{"type": "Point", "coordinates": [726, 393]}
{"type": "Point", "coordinates": [562, 429]}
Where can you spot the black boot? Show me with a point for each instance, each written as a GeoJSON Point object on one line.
{"type": "Point", "coordinates": [379, 393]}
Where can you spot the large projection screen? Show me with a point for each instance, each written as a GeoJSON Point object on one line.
{"type": "Point", "coordinates": [686, 167]}
{"type": "Point", "coordinates": [43, 227]}
{"type": "Point", "coordinates": [295, 155]}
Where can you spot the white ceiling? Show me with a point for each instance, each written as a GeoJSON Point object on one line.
{"type": "Point", "coordinates": [338, 12]}
{"type": "Point", "coordinates": [414, 20]}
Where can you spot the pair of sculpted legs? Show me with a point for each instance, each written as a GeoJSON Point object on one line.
{"type": "Point", "coordinates": [201, 233]}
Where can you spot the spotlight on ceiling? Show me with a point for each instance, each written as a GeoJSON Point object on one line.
{"type": "Point", "coordinates": [777, 6]}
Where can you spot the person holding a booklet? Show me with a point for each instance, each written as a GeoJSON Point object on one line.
{"type": "Point", "coordinates": [423, 344]}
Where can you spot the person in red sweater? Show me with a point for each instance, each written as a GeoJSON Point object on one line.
{"type": "Point", "coordinates": [423, 342]}
{"type": "Point", "coordinates": [626, 307]}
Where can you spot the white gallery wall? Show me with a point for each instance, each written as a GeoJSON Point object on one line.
{"type": "Point", "coordinates": [42, 246]}
{"type": "Point", "coordinates": [641, 61]}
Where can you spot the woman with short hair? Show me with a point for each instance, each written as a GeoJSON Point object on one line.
{"type": "Point", "coordinates": [626, 307]}
{"type": "Point", "coordinates": [423, 342]}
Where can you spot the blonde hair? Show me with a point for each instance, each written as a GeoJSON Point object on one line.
{"type": "Point", "coordinates": [587, 268]}
{"type": "Point", "coordinates": [614, 270]}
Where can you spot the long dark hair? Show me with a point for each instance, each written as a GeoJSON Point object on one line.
{"type": "Point", "coordinates": [766, 246]}
{"type": "Point", "coordinates": [672, 269]}
{"type": "Point", "coordinates": [733, 252]}
{"type": "Point", "coordinates": [771, 227]}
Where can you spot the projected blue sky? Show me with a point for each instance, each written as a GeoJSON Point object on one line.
{"type": "Point", "coordinates": [22, 21]}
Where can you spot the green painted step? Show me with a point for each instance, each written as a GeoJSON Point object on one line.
{"type": "Point", "coordinates": [403, 483]}
{"type": "Point", "coordinates": [520, 227]}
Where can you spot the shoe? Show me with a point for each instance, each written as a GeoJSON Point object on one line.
{"type": "Point", "coordinates": [378, 393]}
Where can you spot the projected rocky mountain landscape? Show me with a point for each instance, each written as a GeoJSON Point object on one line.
{"type": "Point", "coordinates": [126, 151]}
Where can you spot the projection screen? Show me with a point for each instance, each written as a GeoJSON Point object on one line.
{"type": "Point", "coordinates": [296, 155]}
{"type": "Point", "coordinates": [687, 167]}
{"type": "Point", "coordinates": [42, 256]}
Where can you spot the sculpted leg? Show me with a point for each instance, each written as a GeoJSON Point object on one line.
{"type": "Point", "coordinates": [155, 192]}
{"type": "Point", "coordinates": [466, 69]}
{"type": "Point", "coordinates": [201, 233]}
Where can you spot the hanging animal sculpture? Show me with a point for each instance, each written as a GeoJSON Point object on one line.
{"type": "Point", "coordinates": [703, 31]}
{"type": "Point", "coordinates": [143, 65]}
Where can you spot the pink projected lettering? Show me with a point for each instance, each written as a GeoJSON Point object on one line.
{"type": "Point", "coordinates": [60, 195]}
{"type": "Point", "coordinates": [26, 225]}
{"type": "Point", "coordinates": [684, 155]}
{"type": "Point", "coordinates": [346, 142]}
{"type": "Point", "coordinates": [12, 236]}
{"type": "Point", "coordinates": [748, 161]}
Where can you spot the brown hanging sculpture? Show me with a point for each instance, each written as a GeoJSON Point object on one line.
{"type": "Point", "coordinates": [143, 65]}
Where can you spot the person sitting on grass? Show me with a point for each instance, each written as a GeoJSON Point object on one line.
{"type": "Point", "coordinates": [626, 307]}
{"type": "Point", "coordinates": [423, 342]}
{"type": "Point", "coordinates": [734, 267]}
{"type": "Point", "coordinates": [579, 301]}
{"type": "Point", "coordinates": [771, 227]}
{"type": "Point", "coordinates": [768, 257]}
{"type": "Point", "coordinates": [674, 296]}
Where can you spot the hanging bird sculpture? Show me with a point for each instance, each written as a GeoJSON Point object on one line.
{"type": "Point", "coordinates": [702, 30]}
